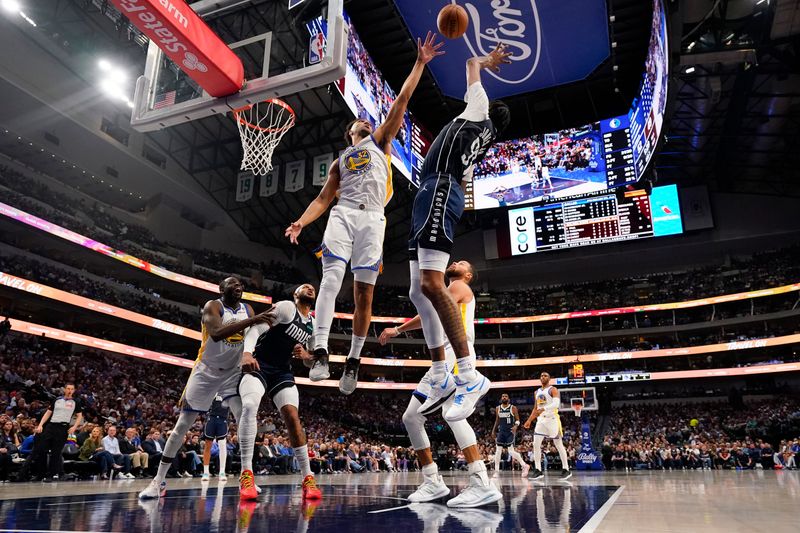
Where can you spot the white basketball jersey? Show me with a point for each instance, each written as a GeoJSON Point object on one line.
{"type": "Point", "coordinates": [226, 353]}
{"type": "Point", "coordinates": [547, 402]}
{"type": "Point", "coordinates": [365, 175]}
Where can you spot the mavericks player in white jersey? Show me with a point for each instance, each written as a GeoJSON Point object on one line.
{"type": "Point", "coordinates": [216, 370]}
{"type": "Point", "coordinates": [362, 179]}
{"type": "Point", "coordinates": [548, 425]}
{"type": "Point", "coordinates": [480, 491]}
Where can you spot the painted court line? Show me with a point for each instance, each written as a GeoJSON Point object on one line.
{"type": "Point", "coordinates": [595, 520]}
{"type": "Point", "coordinates": [389, 509]}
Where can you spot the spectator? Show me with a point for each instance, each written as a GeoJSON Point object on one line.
{"type": "Point", "coordinates": [111, 445]}
{"type": "Point", "coordinates": [92, 450]}
{"type": "Point", "coordinates": [9, 446]}
{"type": "Point", "coordinates": [131, 448]}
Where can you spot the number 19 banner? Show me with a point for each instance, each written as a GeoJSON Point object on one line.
{"type": "Point", "coordinates": [244, 186]}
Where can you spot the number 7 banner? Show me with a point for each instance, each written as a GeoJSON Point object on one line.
{"type": "Point", "coordinates": [295, 175]}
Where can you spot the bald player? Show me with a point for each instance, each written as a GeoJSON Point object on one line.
{"type": "Point", "coordinates": [548, 425]}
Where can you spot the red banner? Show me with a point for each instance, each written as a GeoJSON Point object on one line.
{"type": "Point", "coordinates": [186, 39]}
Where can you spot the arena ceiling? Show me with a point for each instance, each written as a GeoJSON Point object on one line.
{"type": "Point", "coordinates": [735, 116]}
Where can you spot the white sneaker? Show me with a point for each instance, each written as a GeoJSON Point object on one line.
{"type": "Point", "coordinates": [476, 494]}
{"type": "Point", "coordinates": [441, 388]}
{"type": "Point", "coordinates": [205, 477]}
{"type": "Point", "coordinates": [129, 476]}
{"type": "Point", "coordinates": [223, 477]}
{"type": "Point", "coordinates": [319, 370]}
{"type": "Point", "coordinates": [432, 488]}
{"type": "Point", "coordinates": [154, 490]}
{"type": "Point", "coordinates": [467, 396]}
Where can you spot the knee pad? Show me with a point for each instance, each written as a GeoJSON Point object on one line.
{"type": "Point", "coordinates": [332, 274]}
{"type": "Point", "coordinates": [431, 325]}
{"type": "Point", "coordinates": [287, 396]}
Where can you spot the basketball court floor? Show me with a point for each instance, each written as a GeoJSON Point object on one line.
{"type": "Point", "coordinates": [682, 501]}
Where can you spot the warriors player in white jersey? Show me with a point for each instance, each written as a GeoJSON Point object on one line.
{"type": "Point", "coordinates": [548, 425]}
{"type": "Point", "coordinates": [216, 370]}
{"type": "Point", "coordinates": [480, 491]}
{"type": "Point", "coordinates": [362, 179]}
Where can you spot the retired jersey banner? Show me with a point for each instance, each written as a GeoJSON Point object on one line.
{"type": "Point", "coordinates": [295, 175]}
{"type": "Point", "coordinates": [188, 41]}
{"type": "Point", "coordinates": [322, 163]}
{"type": "Point", "coordinates": [269, 182]}
{"type": "Point", "coordinates": [244, 186]}
{"type": "Point", "coordinates": [551, 43]}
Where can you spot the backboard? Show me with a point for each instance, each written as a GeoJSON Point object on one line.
{"type": "Point", "coordinates": [587, 394]}
{"type": "Point", "coordinates": [280, 57]}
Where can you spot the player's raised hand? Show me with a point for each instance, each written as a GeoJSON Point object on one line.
{"type": "Point", "coordinates": [499, 56]}
{"type": "Point", "coordinates": [293, 231]}
{"type": "Point", "coordinates": [387, 334]}
{"type": "Point", "coordinates": [266, 317]}
{"type": "Point", "coordinates": [429, 49]}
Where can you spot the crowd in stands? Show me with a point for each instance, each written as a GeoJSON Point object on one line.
{"type": "Point", "coordinates": [129, 407]}
{"type": "Point", "coordinates": [85, 218]}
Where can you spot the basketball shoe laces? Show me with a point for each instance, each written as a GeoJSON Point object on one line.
{"type": "Point", "coordinates": [246, 480]}
{"type": "Point", "coordinates": [309, 483]}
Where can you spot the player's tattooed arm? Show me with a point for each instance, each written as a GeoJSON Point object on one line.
{"type": "Point", "coordinates": [212, 320]}
{"type": "Point", "coordinates": [318, 206]}
{"type": "Point", "coordinates": [496, 422]}
{"type": "Point", "coordinates": [426, 51]}
{"type": "Point", "coordinates": [515, 412]}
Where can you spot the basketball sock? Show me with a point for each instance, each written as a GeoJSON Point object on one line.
{"type": "Point", "coordinates": [439, 368]}
{"type": "Point", "coordinates": [537, 451]}
{"type": "Point", "coordinates": [430, 471]}
{"type": "Point", "coordinates": [207, 470]}
{"type": "Point", "coordinates": [497, 456]}
{"type": "Point", "coordinates": [301, 454]}
{"type": "Point", "coordinates": [223, 455]}
{"type": "Point", "coordinates": [355, 347]}
{"type": "Point", "coordinates": [515, 455]}
{"type": "Point", "coordinates": [478, 468]}
{"type": "Point", "coordinates": [464, 434]}
{"type": "Point", "coordinates": [432, 328]}
{"type": "Point", "coordinates": [332, 276]}
{"type": "Point", "coordinates": [466, 368]}
{"type": "Point", "coordinates": [251, 391]}
{"type": "Point", "coordinates": [163, 468]}
{"type": "Point", "coordinates": [562, 453]}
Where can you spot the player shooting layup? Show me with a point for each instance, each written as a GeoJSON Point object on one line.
{"type": "Point", "coordinates": [437, 209]}
{"type": "Point", "coordinates": [362, 177]}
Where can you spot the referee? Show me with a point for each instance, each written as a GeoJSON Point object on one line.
{"type": "Point", "coordinates": [53, 431]}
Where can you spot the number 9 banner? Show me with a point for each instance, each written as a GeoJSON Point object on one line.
{"type": "Point", "coordinates": [322, 164]}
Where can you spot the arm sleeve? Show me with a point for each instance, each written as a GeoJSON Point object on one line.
{"type": "Point", "coordinates": [477, 104]}
{"type": "Point", "coordinates": [284, 311]}
{"type": "Point", "coordinates": [252, 335]}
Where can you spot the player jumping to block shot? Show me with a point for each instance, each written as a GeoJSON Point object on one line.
{"type": "Point", "coordinates": [362, 178]}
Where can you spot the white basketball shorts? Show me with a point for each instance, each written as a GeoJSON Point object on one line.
{"type": "Point", "coordinates": [205, 382]}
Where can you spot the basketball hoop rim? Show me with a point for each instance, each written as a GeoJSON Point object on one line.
{"type": "Point", "coordinates": [277, 101]}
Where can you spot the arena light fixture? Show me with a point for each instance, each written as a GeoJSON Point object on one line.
{"type": "Point", "coordinates": [12, 6]}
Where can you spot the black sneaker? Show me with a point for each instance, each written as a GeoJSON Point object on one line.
{"type": "Point", "coordinates": [320, 370]}
{"type": "Point", "coordinates": [565, 475]}
{"type": "Point", "coordinates": [349, 380]}
{"type": "Point", "coordinates": [537, 474]}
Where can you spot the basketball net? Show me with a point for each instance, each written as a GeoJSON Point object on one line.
{"type": "Point", "coordinates": [577, 406]}
{"type": "Point", "coordinates": [261, 127]}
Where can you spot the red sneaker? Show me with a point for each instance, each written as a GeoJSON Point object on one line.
{"type": "Point", "coordinates": [310, 489]}
{"type": "Point", "coordinates": [247, 486]}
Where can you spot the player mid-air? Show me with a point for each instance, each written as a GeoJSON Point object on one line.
{"type": "Point", "coordinates": [362, 179]}
{"type": "Point", "coordinates": [437, 209]}
{"type": "Point", "coordinates": [479, 491]}
{"type": "Point", "coordinates": [217, 370]}
{"type": "Point", "coordinates": [267, 367]}
{"type": "Point", "coordinates": [548, 425]}
{"type": "Point", "coordinates": [504, 433]}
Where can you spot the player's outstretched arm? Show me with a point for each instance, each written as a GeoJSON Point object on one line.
{"type": "Point", "coordinates": [426, 51]}
{"type": "Point", "coordinates": [499, 56]}
{"type": "Point", "coordinates": [318, 206]}
{"type": "Point", "coordinates": [212, 320]}
{"type": "Point", "coordinates": [390, 333]}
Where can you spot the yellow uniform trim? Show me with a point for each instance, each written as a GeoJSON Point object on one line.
{"type": "Point", "coordinates": [389, 185]}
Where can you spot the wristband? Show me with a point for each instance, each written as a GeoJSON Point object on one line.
{"type": "Point", "coordinates": [516, 423]}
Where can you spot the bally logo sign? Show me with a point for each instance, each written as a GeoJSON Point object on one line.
{"type": "Point", "coordinates": [188, 41]}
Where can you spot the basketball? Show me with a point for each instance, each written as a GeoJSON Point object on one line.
{"type": "Point", "coordinates": [452, 21]}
